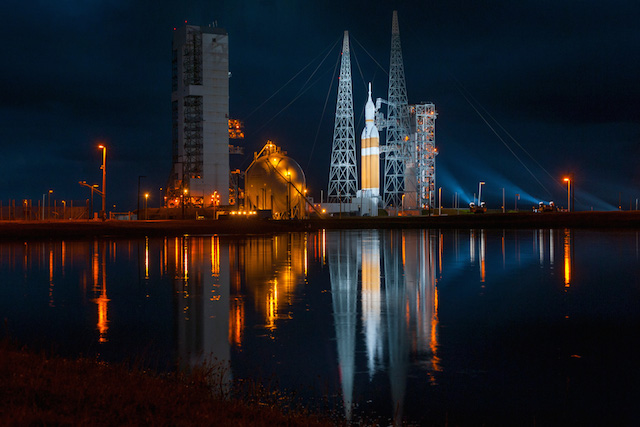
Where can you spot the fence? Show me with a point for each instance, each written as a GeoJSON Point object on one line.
{"type": "Point", "coordinates": [26, 210]}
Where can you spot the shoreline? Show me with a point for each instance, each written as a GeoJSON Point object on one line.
{"type": "Point", "coordinates": [20, 229]}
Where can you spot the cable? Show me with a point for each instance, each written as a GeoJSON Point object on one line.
{"type": "Point", "coordinates": [291, 79]}
{"type": "Point", "coordinates": [324, 108]}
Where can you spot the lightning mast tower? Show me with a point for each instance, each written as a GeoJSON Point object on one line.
{"type": "Point", "coordinates": [343, 174]}
{"type": "Point", "coordinates": [397, 142]}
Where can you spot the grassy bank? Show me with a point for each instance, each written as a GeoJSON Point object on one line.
{"type": "Point", "coordinates": [40, 390]}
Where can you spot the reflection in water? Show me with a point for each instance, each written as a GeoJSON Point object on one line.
{"type": "Point", "coordinates": [201, 279]}
{"type": "Point", "coordinates": [100, 288]}
{"type": "Point", "coordinates": [390, 289]}
{"type": "Point", "coordinates": [371, 298]}
{"type": "Point", "coordinates": [271, 268]}
{"type": "Point", "coordinates": [567, 257]}
{"type": "Point", "coordinates": [407, 307]}
{"type": "Point", "coordinates": [343, 251]}
{"type": "Point", "coordinates": [472, 252]}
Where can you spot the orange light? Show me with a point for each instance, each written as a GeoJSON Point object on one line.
{"type": "Point", "coordinates": [566, 180]}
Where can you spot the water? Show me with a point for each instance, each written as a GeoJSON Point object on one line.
{"type": "Point", "coordinates": [424, 326]}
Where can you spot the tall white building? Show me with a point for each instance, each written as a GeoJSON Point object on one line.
{"type": "Point", "coordinates": [200, 116]}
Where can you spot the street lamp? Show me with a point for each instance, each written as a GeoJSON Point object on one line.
{"type": "Point", "coordinates": [184, 200]}
{"type": "Point", "coordinates": [568, 181]}
{"type": "Point", "coordinates": [146, 212]}
{"type": "Point", "coordinates": [104, 179]}
{"type": "Point", "coordinates": [289, 194]}
{"type": "Point", "coordinates": [480, 192]}
{"type": "Point", "coordinates": [516, 201]}
{"type": "Point", "coordinates": [49, 203]}
{"type": "Point", "coordinates": [139, 178]}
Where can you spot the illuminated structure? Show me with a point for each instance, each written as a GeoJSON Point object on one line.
{"type": "Point", "coordinates": [276, 182]}
{"type": "Point", "coordinates": [424, 119]}
{"type": "Point", "coordinates": [200, 111]}
{"type": "Point", "coordinates": [409, 150]}
{"type": "Point", "coordinates": [370, 158]}
{"type": "Point", "coordinates": [343, 173]}
{"type": "Point", "coordinates": [397, 143]}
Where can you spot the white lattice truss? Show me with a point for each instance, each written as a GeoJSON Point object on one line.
{"type": "Point", "coordinates": [397, 141]}
{"type": "Point", "coordinates": [343, 174]}
{"type": "Point", "coordinates": [425, 145]}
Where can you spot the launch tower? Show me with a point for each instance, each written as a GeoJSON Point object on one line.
{"type": "Point", "coordinates": [397, 148]}
{"type": "Point", "coordinates": [343, 172]}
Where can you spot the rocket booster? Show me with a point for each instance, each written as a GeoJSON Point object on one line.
{"type": "Point", "coordinates": [370, 151]}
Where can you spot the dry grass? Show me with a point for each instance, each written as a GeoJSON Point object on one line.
{"type": "Point", "coordinates": [40, 390]}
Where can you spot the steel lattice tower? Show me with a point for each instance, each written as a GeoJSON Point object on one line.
{"type": "Point", "coordinates": [397, 141]}
{"type": "Point", "coordinates": [425, 143]}
{"type": "Point", "coordinates": [343, 173]}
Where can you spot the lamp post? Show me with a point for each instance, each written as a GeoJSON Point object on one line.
{"type": "Point", "coordinates": [480, 184]}
{"type": "Point", "coordinates": [517, 198]}
{"type": "Point", "coordinates": [49, 203]}
{"type": "Point", "coordinates": [104, 179]}
{"type": "Point", "coordinates": [146, 212]}
{"type": "Point", "coordinates": [568, 181]}
{"type": "Point", "coordinates": [139, 178]}
{"type": "Point", "coordinates": [184, 200]}
{"type": "Point", "coordinates": [289, 194]}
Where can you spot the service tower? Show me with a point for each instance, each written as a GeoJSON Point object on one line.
{"type": "Point", "coordinates": [200, 113]}
{"type": "Point", "coordinates": [370, 158]}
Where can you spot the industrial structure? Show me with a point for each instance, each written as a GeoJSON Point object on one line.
{"type": "Point", "coordinates": [409, 150]}
{"type": "Point", "coordinates": [275, 182]}
{"type": "Point", "coordinates": [200, 116]}
{"type": "Point", "coordinates": [343, 174]}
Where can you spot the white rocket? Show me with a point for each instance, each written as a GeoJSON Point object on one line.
{"type": "Point", "coordinates": [370, 152]}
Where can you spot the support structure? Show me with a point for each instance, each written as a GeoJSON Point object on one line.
{"type": "Point", "coordinates": [397, 149]}
{"type": "Point", "coordinates": [343, 173]}
{"type": "Point", "coordinates": [424, 117]}
{"type": "Point", "coordinates": [200, 116]}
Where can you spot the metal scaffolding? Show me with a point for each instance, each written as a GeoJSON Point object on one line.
{"type": "Point", "coordinates": [192, 137]}
{"type": "Point", "coordinates": [343, 172]}
{"type": "Point", "coordinates": [424, 117]}
{"type": "Point", "coordinates": [397, 151]}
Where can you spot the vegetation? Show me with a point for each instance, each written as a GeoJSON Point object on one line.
{"type": "Point", "coordinates": [36, 389]}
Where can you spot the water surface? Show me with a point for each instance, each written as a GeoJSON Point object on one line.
{"type": "Point", "coordinates": [424, 326]}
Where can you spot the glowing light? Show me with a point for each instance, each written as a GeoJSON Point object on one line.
{"type": "Point", "coordinates": [215, 256]}
{"type": "Point", "coordinates": [567, 258]}
{"type": "Point", "coordinates": [146, 257]}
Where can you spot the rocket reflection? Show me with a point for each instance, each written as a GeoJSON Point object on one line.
{"type": "Point", "coordinates": [399, 304]}
{"type": "Point", "coordinates": [344, 262]}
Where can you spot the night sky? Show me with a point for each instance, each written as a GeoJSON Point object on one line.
{"type": "Point", "coordinates": [556, 84]}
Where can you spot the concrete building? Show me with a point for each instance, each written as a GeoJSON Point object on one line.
{"type": "Point", "coordinates": [200, 114]}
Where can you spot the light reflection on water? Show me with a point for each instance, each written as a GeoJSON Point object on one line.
{"type": "Point", "coordinates": [409, 324]}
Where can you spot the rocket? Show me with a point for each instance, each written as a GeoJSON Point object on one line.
{"type": "Point", "coordinates": [370, 152]}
